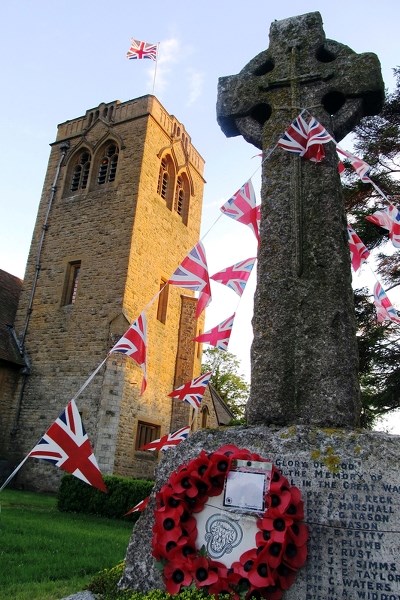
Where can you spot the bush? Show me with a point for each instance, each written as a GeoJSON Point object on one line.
{"type": "Point", "coordinates": [123, 493]}
{"type": "Point", "coordinates": [105, 584]}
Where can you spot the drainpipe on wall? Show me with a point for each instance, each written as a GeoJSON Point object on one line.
{"type": "Point", "coordinates": [63, 148]}
{"type": "Point", "coordinates": [21, 342]}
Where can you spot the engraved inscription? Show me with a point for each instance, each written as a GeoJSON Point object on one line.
{"type": "Point", "coordinates": [353, 518]}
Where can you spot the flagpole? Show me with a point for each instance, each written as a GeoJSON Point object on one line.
{"type": "Point", "coordinates": [155, 68]}
{"type": "Point", "coordinates": [14, 472]}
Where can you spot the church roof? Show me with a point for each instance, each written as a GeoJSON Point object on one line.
{"type": "Point", "coordinates": [222, 410]}
{"type": "Point", "coordinates": [10, 289]}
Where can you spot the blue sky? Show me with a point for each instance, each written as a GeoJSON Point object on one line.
{"type": "Point", "coordinates": [60, 57]}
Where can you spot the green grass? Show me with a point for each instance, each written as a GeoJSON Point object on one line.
{"type": "Point", "coordinates": [46, 554]}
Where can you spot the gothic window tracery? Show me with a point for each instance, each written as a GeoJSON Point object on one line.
{"type": "Point", "coordinates": [166, 178]}
{"type": "Point", "coordinates": [108, 164]}
{"type": "Point", "coordinates": [182, 196]}
{"type": "Point", "coordinates": [80, 171]}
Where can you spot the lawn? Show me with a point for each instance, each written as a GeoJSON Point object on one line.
{"type": "Point", "coordinates": [46, 554]}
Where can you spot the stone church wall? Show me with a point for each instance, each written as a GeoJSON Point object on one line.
{"type": "Point", "coordinates": [127, 240]}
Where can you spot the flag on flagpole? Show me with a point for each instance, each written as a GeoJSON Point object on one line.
{"type": "Point", "coordinates": [134, 344]}
{"type": "Point", "coordinates": [388, 218]}
{"type": "Point", "coordinates": [218, 336]}
{"type": "Point", "coordinates": [139, 507]}
{"type": "Point", "coordinates": [66, 445]}
{"type": "Point", "coordinates": [236, 276]}
{"type": "Point", "coordinates": [192, 391]}
{"type": "Point", "coordinates": [242, 207]}
{"type": "Point", "coordinates": [385, 311]}
{"type": "Point", "coordinates": [192, 274]}
{"type": "Point", "coordinates": [360, 166]}
{"type": "Point", "coordinates": [358, 251]}
{"type": "Point", "coordinates": [139, 49]}
{"type": "Point", "coordinates": [169, 440]}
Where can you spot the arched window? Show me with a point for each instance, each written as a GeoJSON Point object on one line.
{"type": "Point", "coordinates": [166, 177]}
{"type": "Point", "coordinates": [181, 198]}
{"type": "Point", "coordinates": [80, 171]}
{"type": "Point", "coordinates": [163, 179]}
{"type": "Point", "coordinates": [108, 165]}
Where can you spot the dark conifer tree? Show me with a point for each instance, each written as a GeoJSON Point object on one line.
{"type": "Point", "coordinates": [377, 142]}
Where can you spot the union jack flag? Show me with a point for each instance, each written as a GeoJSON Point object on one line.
{"type": "Point", "coordinates": [295, 137]}
{"type": "Point", "coordinates": [388, 218]}
{"type": "Point", "coordinates": [139, 507]}
{"type": "Point", "coordinates": [236, 276]}
{"type": "Point", "coordinates": [360, 166]}
{"type": "Point", "coordinates": [192, 274]}
{"type": "Point", "coordinates": [66, 445]}
{"type": "Point", "coordinates": [140, 50]}
{"type": "Point", "coordinates": [242, 207]}
{"type": "Point", "coordinates": [358, 251]}
{"type": "Point", "coordinates": [385, 311]}
{"type": "Point", "coordinates": [133, 344]}
{"type": "Point", "coordinates": [218, 336]}
{"type": "Point", "coordinates": [169, 440]}
{"type": "Point", "coordinates": [192, 391]}
{"type": "Point", "coordinates": [316, 137]}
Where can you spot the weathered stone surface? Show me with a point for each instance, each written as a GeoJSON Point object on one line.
{"type": "Point", "coordinates": [350, 486]}
{"type": "Point", "coordinates": [304, 354]}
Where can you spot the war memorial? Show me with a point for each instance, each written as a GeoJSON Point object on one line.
{"type": "Point", "coordinates": [245, 516]}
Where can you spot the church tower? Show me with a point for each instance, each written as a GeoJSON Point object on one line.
{"type": "Point", "coordinates": [120, 209]}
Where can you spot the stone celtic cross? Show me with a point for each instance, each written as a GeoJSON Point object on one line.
{"type": "Point", "coordinates": [304, 353]}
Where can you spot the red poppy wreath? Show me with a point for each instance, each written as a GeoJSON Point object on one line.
{"type": "Point", "coordinates": [280, 542]}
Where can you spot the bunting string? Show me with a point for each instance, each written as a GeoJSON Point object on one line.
{"type": "Point", "coordinates": [301, 137]}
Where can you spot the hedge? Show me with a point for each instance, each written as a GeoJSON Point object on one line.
{"type": "Point", "coordinates": [123, 494]}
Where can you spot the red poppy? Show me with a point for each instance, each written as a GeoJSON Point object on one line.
{"type": "Point", "coordinates": [275, 525]}
{"type": "Point", "coordinates": [294, 556]}
{"type": "Point", "coordinates": [203, 573]}
{"type": "Point", "coordinates": [296, 505]}
{"type": "Point", "coordinates": [176, 575]}
{"type": "Point", "coordinates": [181, 483]}
{"type": "Point", "coordinates": [298, 532]}
{"type": "Point", "coordinates": [285, 576]}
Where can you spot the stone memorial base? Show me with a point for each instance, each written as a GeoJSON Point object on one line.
{"type": "Point", "coordinates": [350, 485]}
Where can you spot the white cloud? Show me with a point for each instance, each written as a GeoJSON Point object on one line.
{"type": "Point", "coordinates": [196, 81]}
{"type": "Point", "coordinates": [169, 53]}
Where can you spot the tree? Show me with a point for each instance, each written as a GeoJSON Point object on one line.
{"type": "Point", "coordinates": [377, 142]}
{"type": "Point", "coordinates": [226, 379]}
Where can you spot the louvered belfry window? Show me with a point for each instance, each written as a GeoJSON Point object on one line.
{"type": "Point", "coordinates": [108, 165]}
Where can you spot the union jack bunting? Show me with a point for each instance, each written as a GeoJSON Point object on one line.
{"type": "Point", "coordinates": [316, 137]}
{"type": "Point", "coordinates": [66, 445]}
{"type": "Point", "coordinates": [139, 49]}
{"type": "Point", "coordinates": [192, 391]}
{"type": "Point", "coordinates": [358, 251]}
{"type": "Point", "coordinates": [218, 336]}
{"type": "Point", "coordinates": [295, 137]}
{"type": "Point", "coordinates": [139, 507]}
{"type": "Point", "coordinates": [192, 274]}
{"type": "Point", "coordinates": [169, 440]}
{"type": "Point", "coordinates": [388, 218]}
{"type": "Point", "coordinates": [242, 207]}
{"type": "Point", "coordinates": [385, 311]}
{"type": "Point", "coordinates": [133, 344]}
{"type": "Point", "coordinates": [360, 166]}
{"type": "Point", "coordinates": [236, 276]}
